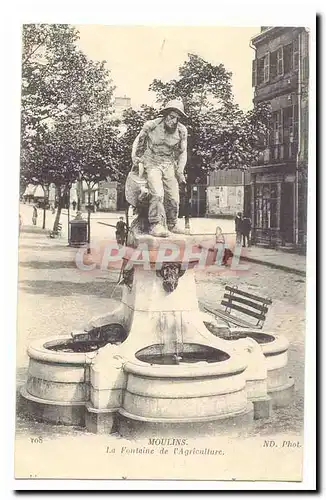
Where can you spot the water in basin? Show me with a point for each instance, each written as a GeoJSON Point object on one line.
{"type": "Point", "coordinates": [191, 353]}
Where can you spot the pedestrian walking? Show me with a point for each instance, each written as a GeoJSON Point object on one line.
{"type": "Point", "coordinates": [238, 222]}
{"type": "Point", "coordinates": [245, 230]}
{"type": "Point", "coordinates": [121, 231]}
{"type": "Point", "coordinates": [74, 204]}
{"type": "Point", "coordinates": [34, 218]}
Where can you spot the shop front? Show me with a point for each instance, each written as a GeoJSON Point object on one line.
{"type": "Point", "coordinates": [272, 209]}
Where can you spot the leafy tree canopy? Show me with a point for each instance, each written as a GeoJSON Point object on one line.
{"type": "Point", "coordinates": [221, 135]}
{"type": "Point", "coordinates": [61, 89]}
{"type": "Point", "coordinates": [58, 79]}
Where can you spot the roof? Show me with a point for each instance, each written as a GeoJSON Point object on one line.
{"type": "Point", "coordinates": [272, 32]}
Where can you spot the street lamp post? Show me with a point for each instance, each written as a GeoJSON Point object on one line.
{"type": "Point", "coordinates": [244, 192]}
{"type": "Point", "coordinates": [68, 210]}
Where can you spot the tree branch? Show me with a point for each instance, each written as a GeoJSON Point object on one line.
{"type": "Point", "coordinates": [33, 52]}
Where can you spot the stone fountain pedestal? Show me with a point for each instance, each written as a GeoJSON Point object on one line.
{"type": "Point", "coordinates": [170, 371]}
{"type": "Point", "coordinates": [130, 387]}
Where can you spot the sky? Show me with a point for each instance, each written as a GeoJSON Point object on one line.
{"type": "Point", "coordinates": [136, 55]}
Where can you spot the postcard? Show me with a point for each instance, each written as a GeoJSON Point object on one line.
{"type": "Point", "coordinates": [163, 234]}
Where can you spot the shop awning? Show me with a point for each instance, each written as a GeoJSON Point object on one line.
{"type": "Point", "coordinates": [32, 190]}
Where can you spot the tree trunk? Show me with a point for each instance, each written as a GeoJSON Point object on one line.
{"type": "Point", "coordinates": [58, 214]}
{"type": "Point", "coordinates": [89, 219]}
{"type": "Point", "coordinates": [46, 198]}
{"type": "Point", "coordinates": [44, 214]}
{"type": "Point", "coordinates": [60, 204]}
{"type": "Point", "coordinates": [187, 189]}
{"type": "Point", "coordinates": [79, 193]}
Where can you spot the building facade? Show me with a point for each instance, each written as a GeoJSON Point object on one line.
{"type": "Point", "coordinates": [228, 192]}
{"type": "Point", "coordinates": [120, 105]}
{"type": "Point", "coordinates": [280, 76]}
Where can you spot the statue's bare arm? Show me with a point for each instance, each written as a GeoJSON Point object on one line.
{"type": "Point", "coordinates": [139, 146]}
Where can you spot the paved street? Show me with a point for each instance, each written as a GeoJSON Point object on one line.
{"type": "Point", "coordinates": [56, 298]}
{"type": "Point", "coordinates": [102, 230]}
{"type": "Point", "coordinates": [99, 221]}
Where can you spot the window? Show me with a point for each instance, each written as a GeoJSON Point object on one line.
{"type": "Point", "coordinates": [293, 132]}
{"type": "Point", "coordinates": [305, 46]}
{"type": "Point", "coordinates": [277, 148]}
{"type": "Point", "coordinates": [295, 53]}
{"type": "Point", "coordinates": [287, 123]}
{"type": "Point", "coordinates": [273, 72]}
{"type": "Point", "coordinates": [263, 69]}
{"type": "Point", "coordinates": [295, 118]}
{"type": "Point", "coordinates": [277, 119]}
{"type": "Point", "coordinates": [266, 206]}
{"type": "Point", "coordinates": [287, 57]}
{"type": "Point", "coordinates": [290, 132]}
{"type": "Point", "coordinates": [279, 62]}
{"type": "Point", "coordinates": [266, 68]}
{"type": "Point", "coordinates": [254, 73]}
{"type": "Point", "coordinates": [260, 71]}
{"type": "Point", "coordinates": [305, 68]}
{"type": "Point", "coordinates": [305, 135]}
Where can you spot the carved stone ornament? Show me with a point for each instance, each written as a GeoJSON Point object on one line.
{"type": "Point", "coordinates": [170, 272]}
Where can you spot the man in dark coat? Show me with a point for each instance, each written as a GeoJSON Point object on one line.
{"type": "Point", "coordinates": [245, 230]}
{"type": "Point", "coordinates": [121, 231]}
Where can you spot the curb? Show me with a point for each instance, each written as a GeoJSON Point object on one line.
{"type": "Point", "coordinates": [275, 266]}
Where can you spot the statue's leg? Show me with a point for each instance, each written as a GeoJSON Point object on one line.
{"type": "Point", "coordinates": [156, 212]}
{"type": "Point", "coordinates": [171, 195]}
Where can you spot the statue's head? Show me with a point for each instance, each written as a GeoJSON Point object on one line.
{"type": "Point", "coordinates": [171, 119]}
{"type": "Point", "coordinates": [172, 113]}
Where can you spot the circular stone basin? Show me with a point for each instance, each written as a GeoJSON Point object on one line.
{"type": "Point", "coordinates": [186, 353]}
{"type": "Point", "coordinates": [226, 334]}
{"type": "Point", "coordinates": [71, 346]}
{"type": "Point", "coordinates": [93, 340]}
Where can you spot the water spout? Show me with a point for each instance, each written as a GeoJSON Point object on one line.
{"type": "Point", "coordinates": [177, 359]}
{"type": "Point", "coordinates": [170, 325]}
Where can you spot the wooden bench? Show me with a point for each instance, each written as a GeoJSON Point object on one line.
{"type": "Point", "coordinates": [244, 303]}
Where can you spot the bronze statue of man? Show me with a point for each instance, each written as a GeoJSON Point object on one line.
{"type": "Point", "coordinates": [161, 147]}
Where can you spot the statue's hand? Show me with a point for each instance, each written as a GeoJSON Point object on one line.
{"type": "Point", "coordinates": [180, 177]}
{"type": "Point", "coordinates": [135, 163]}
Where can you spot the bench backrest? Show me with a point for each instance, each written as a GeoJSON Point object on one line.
{"type": "Point", "coordinates": [235, 299]}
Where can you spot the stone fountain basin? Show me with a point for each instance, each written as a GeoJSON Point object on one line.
{"type": "Point", "coordinates": [57, 376]}
{"type": "Point", "coordinates": [58, 368]}
{"type": "Point", "coordinates": [275, 349]}
{"type": "Point", "coordinates": [188, 391]}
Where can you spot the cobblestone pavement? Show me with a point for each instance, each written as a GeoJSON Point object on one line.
{"type": "Point", "coordinates": [56, 298]}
